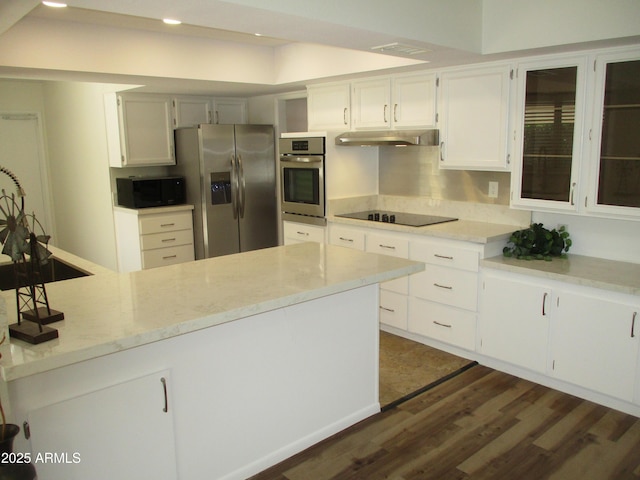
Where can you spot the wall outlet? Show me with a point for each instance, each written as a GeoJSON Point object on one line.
{"type": "Point", "coordinates": [493, 189]}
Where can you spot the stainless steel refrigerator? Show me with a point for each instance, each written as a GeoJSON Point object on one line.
{"type": "Point", "coordinates": [230, 177]}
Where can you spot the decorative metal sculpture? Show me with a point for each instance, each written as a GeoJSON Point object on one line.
{"type": "Point", "coordinates": [25, 242]}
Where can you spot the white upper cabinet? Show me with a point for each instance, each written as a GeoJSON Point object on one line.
{"type": "Point", "coordinates": [548, 146]}
{"type": "Point", "coordinates": [191, 111]}
{"type": "Point", "coordinates": [229, 111]}
{"type": "Point", "coordinates": [402, 101]}
{"type": "Point", "coordinates": [414, 100]}
{"type": "Point", "coordinates": [329, 107]}
{"type": "Point", "coordinates": [615, 154]}
{"type": "Point", "coordinates": [139, 130]}
{"type": "Point", "coordinates": [473, 118]}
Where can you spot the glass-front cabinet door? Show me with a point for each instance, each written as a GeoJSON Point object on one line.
{"type": "Point", "coordinates": [615, 159]}
{"type": "Point", "coordinates": [548, 136]}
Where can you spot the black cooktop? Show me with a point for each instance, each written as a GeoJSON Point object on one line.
{"type": "Point", "coordinates": [409, 219]}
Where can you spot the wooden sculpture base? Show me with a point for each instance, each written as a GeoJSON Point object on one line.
{"type": "Point", "coordinates": [30, 332]}
{"type": "Point", "coordinates": [45, 318]}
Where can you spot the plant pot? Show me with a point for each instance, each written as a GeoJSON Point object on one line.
{"type": "Point", "coordinates": [14, 466]}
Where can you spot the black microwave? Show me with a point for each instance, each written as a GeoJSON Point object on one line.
{"type": "Point", "coordinates": [143, 192]}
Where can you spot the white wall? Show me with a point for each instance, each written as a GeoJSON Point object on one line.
{"type": "Point", "coordinates": [510, 25]}
{"type": "Point", "coordinates": [597, 237]}
{"type": "Point", "coordinates": [79, 170]}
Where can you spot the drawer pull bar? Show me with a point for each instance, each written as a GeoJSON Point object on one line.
{"type": "Point", "coordinates": [169, 256]}
{"type": "Point", "coordinates": [633, 324]}
{"type": "Point", "coordinates": [303, 233]}
{"type": "Point", "coordinates": [390, 247]}
{"type": "Point", "coordinates": [167, 224]}
{"type": "Point", "coordinates": [544, 302]}
{"type": "Point", "coordinates": [442, 324]}
{"type": "Point", "coordinates": [344, 239]}
{"type": "Point", "coordinates": [164, 240]}
{"type": "Point", "coordinates": [442, 286]}
{"type": "Point", "coordinates": [387, 309]}
{"type": "Point", "coordinates": [164, 391]}
{"type": "Point", "coordinates": [446, 257]}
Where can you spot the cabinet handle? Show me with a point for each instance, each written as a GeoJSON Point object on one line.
{"type": "Point", "coordinates": [164, 240]}
{"type": "Point", "coordinates": [167, 225]}
{"type": "Point", "coordinates": [217, 117]}
{"type": "Point", "coordinates": [442, 324]}
{"type": "Point", "coordinates": [633, 324]}
{"type": "Point", "coordinates": [442, 151]}
{"type": "Point", "coordinates": [303, 233]}
{"type": "Point", "coordinates": [573, 188]}
{"type": "Point", "coordinates": [442, 286]}
{"type": "Point", "coordinates": [344, 239]}
{"type": "Point", "coordinates": [169, 256]}
{"type": "Point", "coordinates": [446, 257]}
{"type": "Point", "coordinates": [344, 115]}
{"type": "Point", "coordinates": [395, 112]}
{"type": "Point", "coordinates": [384, 113]}
{"type": "Point", "coordinates": [387, 309]}
{"type": "Point", "coordinates": [509, 159]}
{"type": "Point", "coordinates": [544, 301]}
{"type": "Point", "coordinates": [390, 247]}
{"type": "Point", "coordinates": [164, 391]}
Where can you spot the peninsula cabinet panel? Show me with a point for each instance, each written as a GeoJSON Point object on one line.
{"type": "Point", "coordinates": [110, 437]}
{"type": "Point", "coordinates": [594, 343]}
{"type": "Point", "coordinates": [514, 321]}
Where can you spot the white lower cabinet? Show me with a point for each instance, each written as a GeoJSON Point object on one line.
{"type": "Point", "coordinates": [577, 335]}
{"type": "Point", "coordinates": [99, 435]}
{"type": "Point", "coordinates": [294, 232]}
{"type": "Point", "coordinates": [153, 237]}
{"type": "Point", "coordinates": [595, 343]}
{"type": "Point", "coordinates": [440, 322]}
{"type": "Point", "coordinates": [393, 309]}
{"type": "Point", "coordinates": [514, 321]}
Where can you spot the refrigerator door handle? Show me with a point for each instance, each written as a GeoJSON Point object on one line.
{"type": "Point", "coordinates": [234, 187]}
{"type": "Point", "coordinates": [242, 188]}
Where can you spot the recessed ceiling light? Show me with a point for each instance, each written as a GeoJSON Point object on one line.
{"type": "Point", "coordinates": [55, 4]}
{"type": "Point", "coordinates": [258, 34]}
{"type": "Point", "coordinates": [171, 21]}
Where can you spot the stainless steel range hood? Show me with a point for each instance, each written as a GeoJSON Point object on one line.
{"type": "Point", "coordinates": [389, 137]}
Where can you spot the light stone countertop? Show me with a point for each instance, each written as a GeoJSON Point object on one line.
{"type": "Point", "coordinates": [615, 276]}
{"type": "Point", "coordinates": [109, 312]}
{"type": "Point", "coordinates": [463, 230]}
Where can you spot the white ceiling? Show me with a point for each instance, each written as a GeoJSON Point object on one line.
{"type": "Point", "coordinates": [451, 31]}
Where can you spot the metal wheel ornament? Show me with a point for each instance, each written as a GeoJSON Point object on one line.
{"type": "Point", "coordinates": [26, 243]}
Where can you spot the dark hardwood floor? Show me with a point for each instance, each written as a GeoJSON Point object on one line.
{"type": "Point", "coordinates": [481, 424]}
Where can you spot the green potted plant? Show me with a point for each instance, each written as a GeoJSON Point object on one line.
{"type": "Point", "coordinates": [538, 243]}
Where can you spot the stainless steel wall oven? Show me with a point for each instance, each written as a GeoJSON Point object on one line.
{"type": "Point", "coordinates": [302, 179]}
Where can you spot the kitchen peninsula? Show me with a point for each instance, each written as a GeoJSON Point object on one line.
{"type": "Point", "coordinates": [210, 369]}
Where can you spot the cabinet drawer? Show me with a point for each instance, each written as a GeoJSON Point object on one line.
{"type": "Point", "coordinates": [346, 237]}
{"type": "Point", "coordinates": [445, 255]}
{"type": "Point", "coordinates": [397, 247]}
{"type": "Point", "coordinates": [166, 239]}
{"type": "Point", "coordinates": [443, 323]}
{"type": "Point", "coordinates": [446, 285]}
{"type": "Point", "coordinates": [299, 232]}
{"type": "Point", "coordinates": [167, 256]}
{"type": "Point", "coordinates": [393, 309]}
{"type": "Point", "coordinates": [165, 222]}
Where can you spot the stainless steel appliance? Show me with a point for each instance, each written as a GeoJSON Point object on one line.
{"type": "Point", "coordinates": [302, 179]}
{"type": "Point", "coordinates": [143, 192]}
{"type": "Point", "coordinates": [230, 173]}
{"type": "Point", "coordinates": [400, 218]}
{"type": "Point", "coordinates": [429, 138]}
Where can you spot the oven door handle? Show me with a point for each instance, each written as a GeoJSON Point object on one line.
{"type": "Point", "coordinates": [301, 159]}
